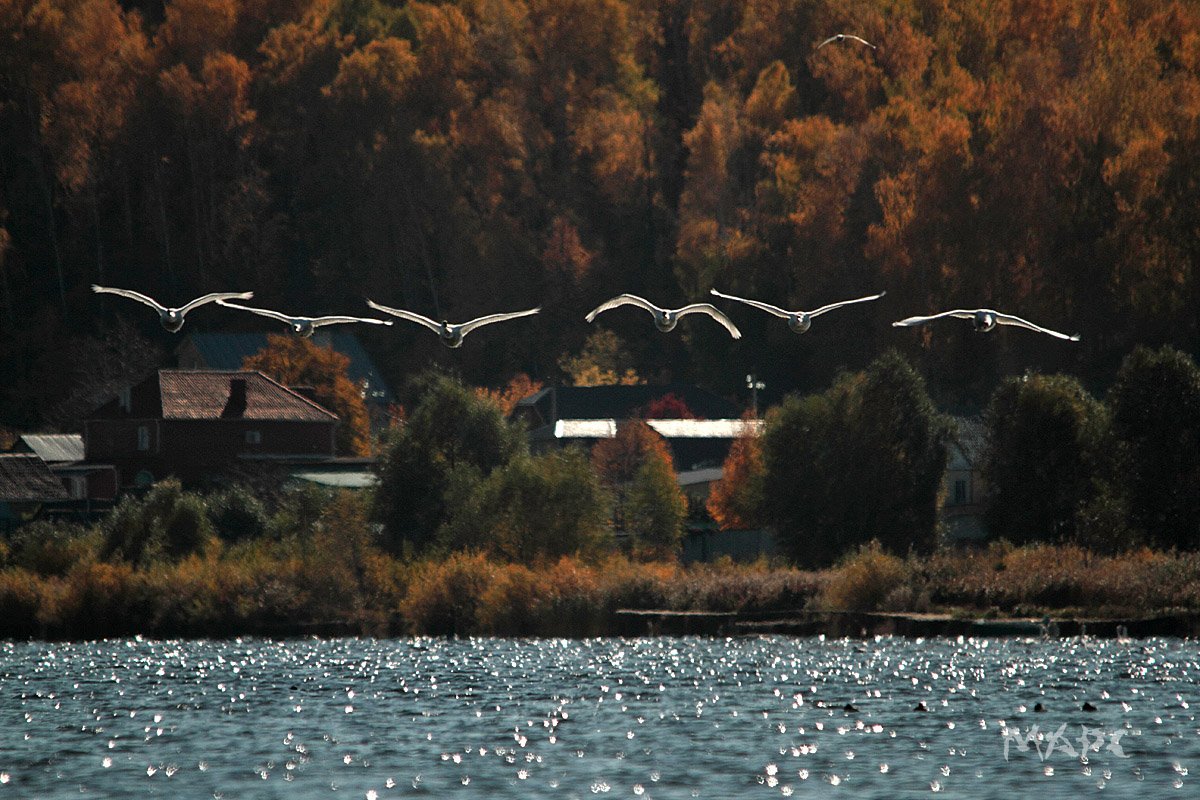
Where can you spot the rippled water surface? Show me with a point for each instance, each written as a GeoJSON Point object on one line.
{"type": "Point", "coordinates": [659, 717]}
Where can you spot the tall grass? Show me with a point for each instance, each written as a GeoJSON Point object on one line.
{"type": "Point", "coordinates": [337, 579]}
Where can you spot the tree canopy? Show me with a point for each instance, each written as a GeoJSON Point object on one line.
{"type": "Point", "coordinates": [300, 362]}
{"type": "Point", "coordinates": [466, 157]}
{"type": "Point", "coordinates": [861, 461]}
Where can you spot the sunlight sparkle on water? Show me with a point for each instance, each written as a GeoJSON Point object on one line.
{"type": "Point", "coordinates": [685, 717]}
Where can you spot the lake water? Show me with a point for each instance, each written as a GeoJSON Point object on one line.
{"type": "Point", "coordinates": [656, 717]}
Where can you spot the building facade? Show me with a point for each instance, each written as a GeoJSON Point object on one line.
{"type": "Point", "coordinates": [193, 424]}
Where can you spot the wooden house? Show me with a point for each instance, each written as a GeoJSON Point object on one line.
{"type": "Point", "coordinates": [194, 424]}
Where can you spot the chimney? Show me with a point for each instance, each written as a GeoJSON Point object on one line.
{"type": "Point", "coordinates": [236, 405]}
{"type": "Point", "coordinates": [307, 392]}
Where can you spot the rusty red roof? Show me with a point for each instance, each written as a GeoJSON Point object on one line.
{"type": "Point", "coordinates": [210, 394]}
{"type": "Point", "coordinates": [24, 476]}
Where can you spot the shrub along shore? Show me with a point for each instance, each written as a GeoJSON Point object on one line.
{"type": "Point", "coordinates": [343, 585]}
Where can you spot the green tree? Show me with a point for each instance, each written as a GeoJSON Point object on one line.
{"type": "Point", "coordinates": [862, 461]}
{"type": "Point", "coordinates": [532, 508]}
{"type": "Point", "coordinates": [1155, 406]}
{"type": "Point", "coordinates": [168, 523]}
{"type": "Point", "coordinates": [1048, 450]}
{"type": "Point", "coordinates": [452, 436]}
{"type": "Point", "coordinates": [656, 508]}
{"type": "Point", "coordinates": [636, 466]}
{"type": "Point", "coordinates": [237, 514]}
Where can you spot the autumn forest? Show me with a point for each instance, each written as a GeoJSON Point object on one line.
{"type": "Point", "coordinates": [460, 158]}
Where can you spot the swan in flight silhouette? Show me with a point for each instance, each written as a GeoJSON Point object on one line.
{"type": "Point", "coordinates": [798, 321]}
{"type": "Point", "coordinates": [304, 326]}
{"type": "Point", "coordinates": [841, 37]}
{"type": "Point", "coordinates": [452, 334]}
{"type": "Point", "coordinates": [665, 319]}
{"type": "Point", "coordinates": [984, 319]}
{"type": "Point", "coordinates": [172, 318]}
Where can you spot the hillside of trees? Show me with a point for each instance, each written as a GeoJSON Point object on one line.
{"type": "Point", "coordinates": [473, 156]}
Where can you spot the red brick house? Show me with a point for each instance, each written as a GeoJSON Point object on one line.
{"type": "Point", "coordinates": [194, 423]}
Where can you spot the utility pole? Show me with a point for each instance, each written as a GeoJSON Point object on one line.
{"type": "Point", "coordinates": [753, 384]}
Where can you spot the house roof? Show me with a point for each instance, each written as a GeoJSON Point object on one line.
{"type": "Point", "coordinates": [971, 438]}
{"type": "Point", "coordinates": [25, 477]}
{"type": "Point", "coordinates": [54, 448]}
{"type": "Point", "coordinates": [706, 428]}
{"type": "Point", "coordinates": [205, 394]}
{"type": "Point", "coordinates": [619, 402]}
{"type": "Point", "coordinates": [229, 350]}
{"type": "Point", "coordinates": [667, 428]}
{"type": "Point", "coordinates": [338, 479]}
{"type": "Point", "coordinates": [698, 477]}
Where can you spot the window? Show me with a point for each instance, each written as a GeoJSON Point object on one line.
{"type": "Point", "coordinates": [960, 492]}
{"type": "Point", "coordinates": [143, 437]}
{"type": "Point", "coordinates": [125, 399]}
{"type": "Point", "coordinates": [253, 437]}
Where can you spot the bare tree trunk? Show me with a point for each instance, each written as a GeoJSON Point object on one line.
{"type": "Point", "coordinates": [5, 290]}
{"type": "Point", "coordinates": [197, 213]}
{"type": "Point", "coordinates": [424, 247]}
{"type": "Point", "coordinates": [127, 205]}
{"type": "Point", "coordinates": [162, 218]}
{"type": "Point", "coordinates": [95, 206]}
{"type": "Point", "coordinates": [48, 198]}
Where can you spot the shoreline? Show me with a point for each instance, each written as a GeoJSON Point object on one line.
{"type": "Point", "coordinates": [798, 623]}
{"type": "Point", "coordinates": [866, 624]}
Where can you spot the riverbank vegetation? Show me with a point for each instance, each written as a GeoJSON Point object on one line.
{"type": "Point", "coordinates": [343, 584]}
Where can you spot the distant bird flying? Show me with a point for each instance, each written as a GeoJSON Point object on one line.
{"type": "Point", "coordinates": [666, 319]}
{"type": "Point", "coordinates": [984, 319]}
{"type": "Point", "coordinates": [172, 318]}
{"type": "Point", "coordinates": [452, 334]}
{"type": "Point", "coordinates": [841, 37]}
{"type": "Point", "coordinates": [304, 326]}
{"type": "Point", "coordinates": [798, 321]}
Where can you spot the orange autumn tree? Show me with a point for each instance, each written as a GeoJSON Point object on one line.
{"type": "Point", "coordinates": [735, 501]}
{"type": "Point", "coordinates": [506, 398]}
{"type": "Point", "coordinates": [299, 362]}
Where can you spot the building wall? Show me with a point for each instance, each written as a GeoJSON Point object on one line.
{"type": "Point", "coordinates": [190, 449]}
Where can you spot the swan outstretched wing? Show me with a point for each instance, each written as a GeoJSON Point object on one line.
{"type": "Point", "coordinates": [338, 320]}
{"type": "Point", "coordinates": [467, 327]}
{"type": "Point", "coordinates": [1009, 319]}
{"type": "Point", "coordinates": [263, 312]}
{"type": "Point", "coordinates": [411, 316]}
{"type": "Point", "coordinates": [832, 306]}
{"type": "Point", "coordinates": [212, 298]}
{"type": "Point", "coordinates": [761, 306]}
{"type": "Point", "coordinates": [132, 295]}
{"type": "Point", "coordinates": [715, 313]}
{"type": "Point", "coordinates": [624, 300]}
{"type": "Point", "coordinates": [840, 36]}
{"type": "Point", "coordinates": [958, 313]}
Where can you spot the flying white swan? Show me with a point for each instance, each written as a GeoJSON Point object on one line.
{"type": "Point", "coordinates": [452, 334]}
{"type": "Point", "coordinates": [172, 318]}
{"type": "Point", "coordinates": [984, 319]}
{"type": "Point", "coordinates": [798, 321]}
{"type": "Point", "coordinates": [841, 37]}
{"type": "Point", "coordinates": [304, 326]}
{"type": "Point", "coordinates": [665, 319]}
